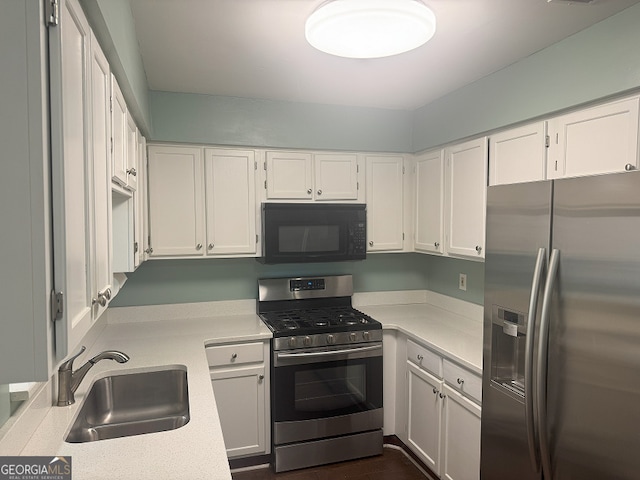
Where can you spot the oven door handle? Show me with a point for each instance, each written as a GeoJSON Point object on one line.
{"type": "Point", "coordinates": [325, 355]}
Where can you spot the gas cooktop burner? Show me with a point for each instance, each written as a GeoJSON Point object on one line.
{"type": "Point", "coordinates": [318, 319]}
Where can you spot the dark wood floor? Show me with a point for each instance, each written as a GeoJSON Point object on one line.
{"type": "Point", "coordinates": [391, 465]}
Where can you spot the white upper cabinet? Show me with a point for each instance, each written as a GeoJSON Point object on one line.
{"type": "Point", "coordinates": [429, 198]}
{"type": "Point", "coordinates": [230, 201]}
{"type": "Point", "coordinates": [119, 128]}
{"type": "Point", "coordinates": [72, 188]}
{"type": "Point", "coordinates": [142, 218]}
{"type": "Point", "coordinates": [101, 150]}
{"type": "Point", "coordinates": [518, 155]}
{"type": "Point", "coordinates": [289, 175]}
{"type": "Point", "coordinates": [176, 201]}
{"type": "Point", "coordinates": [336, 176]}
{"type": "Point", "coordinates": [466, 197]}
{"type": "Point", "coordinates": [308, 176]}
{"type": "Point", "coordinates": [385, 200]}
{"type": "Point", "coordinates": [132, 153]}
{"type": "Point", "coordinates": [596, 140]}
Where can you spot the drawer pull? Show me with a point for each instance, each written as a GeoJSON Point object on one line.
{"type": "Point", "coordinates": [234, 356]}
{"type": "Point", "coordinates": [460, 381]}
{"type": "Point", "coordinates": [435, 391]}
{"type": "Point", "coordinates": [441, 395]}
{"type": "Point", "coordinates": [420, 357]}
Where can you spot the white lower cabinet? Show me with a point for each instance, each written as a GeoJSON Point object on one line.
{"type": "Point", "coordinates": [460, 459]}
{"type": "Point", "coordinates": [442, 415]}
{"type": "Point", "coordinates": [239, 377]}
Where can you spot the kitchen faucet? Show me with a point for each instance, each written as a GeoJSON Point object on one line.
{"type": "Point", "coordinates": [68, 380]}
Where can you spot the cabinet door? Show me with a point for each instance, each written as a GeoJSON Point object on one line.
{"type": "Point", "coordinates": [240, 399]}
{"type": "Point", "coordinates": [119, 134]}
{"type": "Point", "coordinates": [230, 194]}
{"type": "Point", "coordinates": [176, 201]}
{"type": "Point", "coordinates": [336, 176]}
{"type": "Point", "coordinates": [461, 437]}
{"type": "Point", "coordinates": [602, 139]}
{"type": "Point", "coordinates": [69, 46]}
{"type": "Point", "coordinates": [100, 148]}
{"type": "Point", "coordinates": [384, 203]}
{"type": "Point", "coordinates": [289, 176]}
{"type": "Point", "coordinates": [429, 186]}
{"type": "Point", "coordinates": [132, 153]}
{"type": "Point", "coordinates": [518, 155]}
{"type": "Point", "coordinates": [143, 204]}
{"type": "Point", "coordinates": [466, 197]}
{"type": "Point", "coordinates": [424, 415]}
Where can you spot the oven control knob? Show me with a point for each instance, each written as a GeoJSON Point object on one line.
{"type": "Point", "coordinates": [352, 336]}
{"type": "Point", "coordinates": [366, 336]}
{"type": "Point", "coordinates": [331, 339]}
{"type": "Point", "coordinates": [307, 341]}
{"type": "Point", "coordinates": [292, 342]}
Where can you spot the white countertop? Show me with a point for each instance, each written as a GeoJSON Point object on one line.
{"type": "Point", "coordinates": [196, 450]}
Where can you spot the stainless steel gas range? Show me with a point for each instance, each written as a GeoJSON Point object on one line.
{"type": "Point", "coordinates": [326, 372]}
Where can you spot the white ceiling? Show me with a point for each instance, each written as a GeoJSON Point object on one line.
{"type": "Point", "coordinates": [257, 49]}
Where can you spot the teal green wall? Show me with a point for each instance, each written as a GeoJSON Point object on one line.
{"type": "Point", "coordinates": [193, 118]}
{"type": "Point", "coordinates": [595, 63]}
{"type": "Point", "coordinates": [443, 274]}
{"type": "Point", "coordinates": [198, 280]}
{"type": "Point", "coordinates": [112, 22]}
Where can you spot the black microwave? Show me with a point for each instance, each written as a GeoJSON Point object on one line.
{"type": "Point", "coordinates": [312, 232]}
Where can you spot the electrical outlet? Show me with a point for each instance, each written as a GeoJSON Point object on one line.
{"type": "Point", "coordinates": [462, 282]}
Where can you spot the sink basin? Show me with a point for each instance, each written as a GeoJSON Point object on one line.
{"type": "Point", "coordinates": [132, 404]}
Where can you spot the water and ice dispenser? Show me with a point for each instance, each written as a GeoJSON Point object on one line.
{"type": "Point", "coordinates": [509, 337]}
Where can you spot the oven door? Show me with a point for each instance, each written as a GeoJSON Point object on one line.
{"type": "Point", "coordinates": [312, 386]}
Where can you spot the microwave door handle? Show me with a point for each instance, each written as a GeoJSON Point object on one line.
{"type": "Point", "coordinates": [541, 374]}
{"type": "Point", "coordinates": [530, 409]}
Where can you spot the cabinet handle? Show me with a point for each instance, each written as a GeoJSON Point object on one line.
{"type": "Point", "coordinates": [211, 246]}
{"type": "Point", "coordinates": [260, 378]}
{"type": "Point", "coordinates": [319, 192]}
{"type": "Point", "coordinates": [309, 191]}
{"type": "Point", "coordinates": [420, 357]}
{"type": "Point", "coordinates": [371, 243]}
{"type": "Point", "coordinates": [199, 246]}
{"type": "Point", "coordinates": [435, 391]}
{"type": "Point", "coordinates": [441, 395]}
{"type": "Point", "coordinates": [234, 356]}
{"type": "Point", "coordinates": [478, 249]}
{"type": "Point", "coordinates": [460, 381]}
{"type": "Point", "coordinates": [436, 244]}
{"type": "Point", "coordinates": [101, 300]}
{"type": "Point", "coordinates": [629, 167]}
{"type": "Point", "coordinates": [132, 171]}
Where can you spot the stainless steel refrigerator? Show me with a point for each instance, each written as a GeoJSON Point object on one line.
{"type": "Point", "coordinates": [561, 381]}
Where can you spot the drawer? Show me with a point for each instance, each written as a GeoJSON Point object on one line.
{"type": "Point", "coordinates": [463, 380]}
{"type": "Point", "coordinates": [235, 354]}
{"type": "Point", "coordinates": [424, 358]}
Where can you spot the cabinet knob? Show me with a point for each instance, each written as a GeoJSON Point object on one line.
{"type": "Point", "coordinates": [107, 293]}
{"type": "Point", "coordinates": [435, 391]}
{"type": "Point", "coordinates": [132, 171]}
{"type": "Point", "coordinates": [420, 357]}
{"type": "Point", "coordinates": [441, 395]}
{"type": "Point", "coordinates": [629, 167]}
{"type": "Point", "coordinates": [309, 191]}
{"type": "Point", "coordinates": [210, 246]}
{"type": "Point", "coordinates": [101, 300]}
{"type": "Point", "coordinates": [319, 192]}
{"type": "Point", "coordinates": [234, 356]}
{"type": "Point", "coordinates": [149, 250]}
{"type": "Point", "coordinates": [371, 243]}
{"type": "Point", "coordinates": [436, 244]}
{"type": "Point", "coordinates": [199, 246]}
{"type": "Point", "coordinates": [478, 249]}
{"type": "Point", "coordinates": [460, 381]}
{"type": "Point", "coordinates": [260, 378]}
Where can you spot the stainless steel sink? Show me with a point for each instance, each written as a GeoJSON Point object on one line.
{"type": "Point", "coordinates": [132, 404]}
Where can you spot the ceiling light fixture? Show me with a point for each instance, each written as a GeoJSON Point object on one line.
{"type": "Point", "coordinates": [370, 28]}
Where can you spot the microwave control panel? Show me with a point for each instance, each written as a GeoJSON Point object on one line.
{"type": "Point", "coordinates": [358, 237]}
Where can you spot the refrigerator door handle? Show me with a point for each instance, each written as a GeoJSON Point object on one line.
{"type": "Point", "coordinates": [529, 401]}
{"type": "Point", "coordinates": [541, 380]}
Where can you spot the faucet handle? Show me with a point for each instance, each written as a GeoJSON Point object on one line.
{"type": "Point", "coordinates": [68, 364]}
